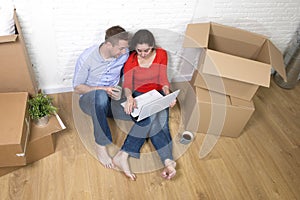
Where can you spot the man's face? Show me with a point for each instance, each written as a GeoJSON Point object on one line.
{"type": "Point", "coordinates": [119, 49]}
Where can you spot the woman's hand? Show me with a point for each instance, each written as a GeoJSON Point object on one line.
{"type": "Point", "coordinates": [173, 103]}
{"type": "Point", "coordinates": [166, 90]}
{"type": "Point", "coordinates": [130, 105]}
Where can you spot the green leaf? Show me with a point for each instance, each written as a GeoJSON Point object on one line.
{"type": "Point", "coordinates": [40, 106]}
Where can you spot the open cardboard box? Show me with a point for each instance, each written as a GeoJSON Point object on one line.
{"type": "Point", "coordinates": [14, 128]}
{"type": "Point", "coordinates": [42, 139]}
{"type": "Point", "coordinates": [16, 73]}
{"type": "Point", "coordinates": [240, 59]}
{"type": "Point", "coordinates": [210, 112]}
{"type": "Point", "coordinates": [41, 143]}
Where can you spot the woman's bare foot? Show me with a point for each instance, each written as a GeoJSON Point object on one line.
{"type": "Point", "coordinates": [121, 161]}
{"type": "Point", "coordinates": [103, 156]}
{"type": "Point", "coordinates": [169, 170]}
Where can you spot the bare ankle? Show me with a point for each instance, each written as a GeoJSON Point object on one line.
{"type": "Point", "coordinates": [169, 162]}
{"type": "Point", "coordinates": [101, 147]}
{"type": "Point", "coordinates": [103, 156]}
{"type": "Point", "coordinates": [122, 154]}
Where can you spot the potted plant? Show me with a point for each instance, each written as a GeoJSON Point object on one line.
{"type": "Point", "coordinates": [40, 108]}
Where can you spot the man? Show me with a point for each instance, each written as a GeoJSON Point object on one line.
{"type": "Point", "coordinates": [97, 71]}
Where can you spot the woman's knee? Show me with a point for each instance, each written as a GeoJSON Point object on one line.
{"type": "Point", "coordinates": [163, 118]}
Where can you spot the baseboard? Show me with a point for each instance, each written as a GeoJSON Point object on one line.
{"type": "Point", "coordinates": [57, 90]}
{"type": "Point", "coordinates": [70, 89]}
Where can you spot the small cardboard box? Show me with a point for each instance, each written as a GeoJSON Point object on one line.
{"type": "Point", "coordinates": [16, 73]}
{"type": "Point", "coordinates": [14, 128]}
{"type": "Point", "coordinates": [41, 143]}
{"type": "Point", "coordinates": [42, 140]}
{"type": "Point", "coordinates": [240, 59]}
{"type": "Point", "coordinates": [210, 112]}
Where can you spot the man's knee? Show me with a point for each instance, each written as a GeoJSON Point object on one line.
{"type": "Point", "coordinates": [101, 99]}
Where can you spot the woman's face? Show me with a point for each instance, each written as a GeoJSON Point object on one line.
{"type": "Point", "coordinates": [143, 50]}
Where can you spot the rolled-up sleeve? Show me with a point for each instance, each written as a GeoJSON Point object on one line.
{"type": "Point", "coordinates": [81, 72]}
{"type": "Point", "coordinates": [163, 69]}
{"type": "Point", "coordinates": [128, 73]}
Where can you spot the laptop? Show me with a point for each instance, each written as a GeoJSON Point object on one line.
{"type": "Point", "coordinates": [150, 103]}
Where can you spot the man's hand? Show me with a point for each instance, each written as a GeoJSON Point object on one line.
{"type": "Point", "coordinates": [109, 91]}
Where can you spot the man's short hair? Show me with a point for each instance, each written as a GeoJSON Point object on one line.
{"type": "Point", "coordinates": [116, 33]}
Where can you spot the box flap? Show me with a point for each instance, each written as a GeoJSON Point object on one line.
{"type": "Point", "coordinates": [223, 85]}
{"type": "Point", "coordinates": [277, 60]}
{"type": "Point", "coordinates": [237, 68]}
{"type": "Point", "coordinates": [54, 125]}
{"type": "Point", "coordinates": [18, 27]}
{"type": "Point", "coordinates": [197, 35]}
{"type": "Point", "coordinates": [8, 38]}
{"type": "Point", "coordinates": [15, 63]}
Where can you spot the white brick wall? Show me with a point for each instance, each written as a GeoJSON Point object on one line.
{"type": "Point", "coordinates": [57, 31]}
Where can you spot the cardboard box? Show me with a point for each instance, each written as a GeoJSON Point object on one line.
{"type": "Point", "coordinates": [41, 144]}
{"type": "Point", "coordinates": [6, 170]}
{"type": "Point", "coordinates": [223, 85]}
{"type": "Point", "coordinates": [240, 59]}
{"type": "Point", "coordinates": [15, 128]}
{"type": "Point", "coordinates": [42, 140]}
{"type": "Point", "coordinates": [210, 112]}
{"type": "Point", "coordinates": [16, 73]}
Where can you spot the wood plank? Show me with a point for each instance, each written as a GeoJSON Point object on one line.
{"type": "Point", "coordinates": [243, 175]}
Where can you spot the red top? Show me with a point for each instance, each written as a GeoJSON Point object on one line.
{"type": "Point", "coordinates": [142, 79]}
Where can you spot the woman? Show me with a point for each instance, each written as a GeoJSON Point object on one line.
{"type": "Point", "coordinates": [145, 70]}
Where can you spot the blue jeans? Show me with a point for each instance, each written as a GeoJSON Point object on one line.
{"type": "Point", "coordinates": [156, 128]}
{"type": "Point", "coordinates": [99, 106]}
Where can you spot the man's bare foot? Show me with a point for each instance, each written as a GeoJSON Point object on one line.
{"type": "Point", "coordinates": [121, 161]}
{"type": "Point", "coordinates": [169, 170]}
{"type": "Point", "coordinates": [103, 156]}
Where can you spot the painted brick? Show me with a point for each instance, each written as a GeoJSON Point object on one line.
{"type": "Point", "coordinates": [57, 31]}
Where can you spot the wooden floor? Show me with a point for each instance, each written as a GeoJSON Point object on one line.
{"type": "Point", "coordinates": [263, 163]}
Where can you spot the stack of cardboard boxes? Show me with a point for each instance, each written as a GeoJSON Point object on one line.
{"type": "Point", "coordinates": [232, 66]}
{"type": "Point", "coordinates": [21, 142]}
